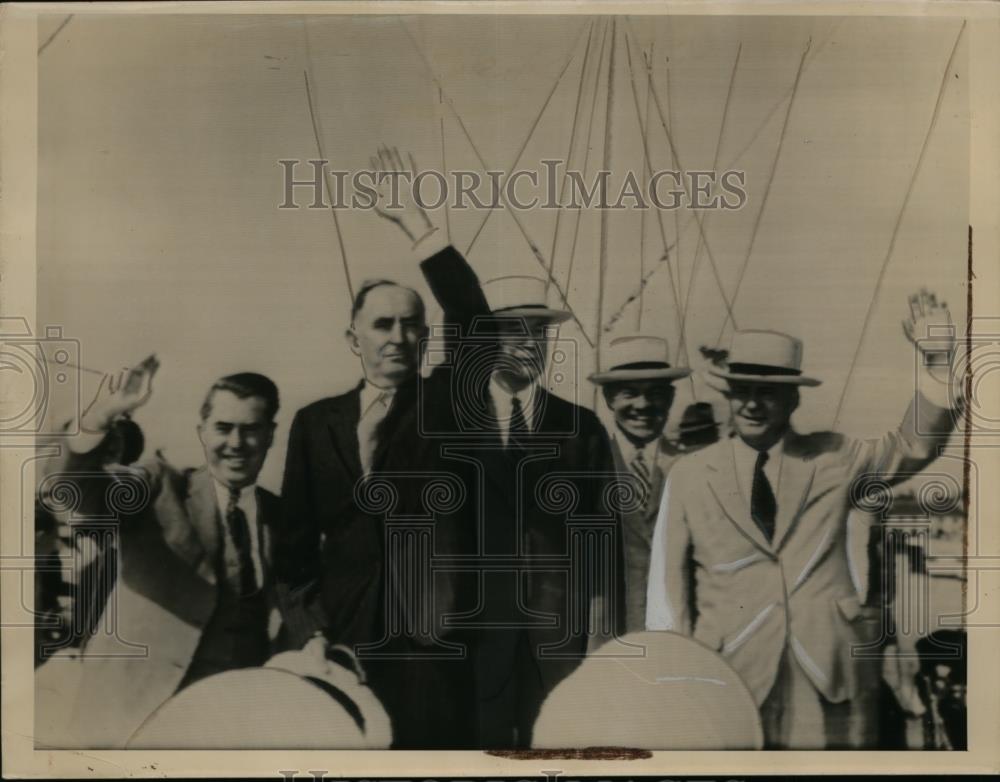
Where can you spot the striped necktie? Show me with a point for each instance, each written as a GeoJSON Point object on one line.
{"type": "Point", "coordinates": [239, 531]}
{"type": "Point", "coordinates": [640, 469]}
{"type": "Point", "coordinates": [518, 424]}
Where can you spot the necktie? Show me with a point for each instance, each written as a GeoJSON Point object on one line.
{"type": "Point", "coordinates": [518, 424]}
{"type": "Point", "coordinates": [239, 531]}
{"type": "Point", "coordinates": [367, 426]}
{"type": "Point", "coordinates": [763, 506]}
{"type": "Point", "coordinates": [641, 471]}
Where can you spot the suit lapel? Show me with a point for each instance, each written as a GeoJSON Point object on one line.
{"type": "Point", "coordinates": [794, 483]}
{"type": "Point", "coordinates": [266, 515]}
{"type": "Point", "coordinates": [202, 510]}
{"type": "Point", "coordinates": [343, 424]}
{"type": "Point", "coordinates": [724, 486]}
{"type": "Point", "coordinates": [616, 455]}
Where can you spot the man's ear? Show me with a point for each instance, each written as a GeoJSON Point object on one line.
{"type": "Point", "coordinates": [352, 341]}
{"type": "Point", "coordinates": [200, 429]}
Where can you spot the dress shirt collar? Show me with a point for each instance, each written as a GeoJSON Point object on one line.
{"type": "Point", "coordinates": [629, 449]}
{"type": "Point", "coordinates": [746, 460]}
{"type": "Point", "coordinates": [247, 500]}
{"type": "Point", "coordinates": [371, 392]}
{"type": "Point", "coordinates": [248, 504]}
{"type": "Point", "coordinates": [502, 401]}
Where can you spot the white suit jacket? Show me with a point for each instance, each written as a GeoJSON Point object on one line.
{"type": "Point", "coordinates": [753, 599]}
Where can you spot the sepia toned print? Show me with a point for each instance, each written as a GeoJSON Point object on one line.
{"type": "Point", "coordinates": [502, 383]}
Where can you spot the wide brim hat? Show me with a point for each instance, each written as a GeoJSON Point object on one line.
{"type": "Point", "coordinates": [518, 296]}
{"type": "Point", "coordinates": [764, 357]}
{"type": "Point", "coordinates": [637, 357]}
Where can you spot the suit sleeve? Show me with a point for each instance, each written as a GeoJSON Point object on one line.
{"type": "Point", "coordinates": [914, 444]}
{"type": "Point", "coordinates": [455, 287]}
{"type": "Point", "coordinates": [74, 484]}
{"type": "Point", "coordinates": [297, 549]}
{"type": "Point", "coordinates": [297, 538]}
{"type": "Point", "coordinates": [75, 487]}
{"type": "Point", "coordinates": [608, 598]}
{"type": "Point", "coordinates": [667, 590]}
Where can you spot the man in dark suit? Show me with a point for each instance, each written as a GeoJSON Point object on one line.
{"type": "Point", "coordinates": [540, 480]}
{"type": "Point", "coordinates": [194, 593]}
{"type": "Point", "coordinates": [545, 485]}
{"type": "Point", "coordinates": [332, 551]}
{"type": "Point", "coordinates": [531, 628]}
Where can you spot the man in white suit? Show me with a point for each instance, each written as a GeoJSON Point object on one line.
{"type": "Point", "coordinates": [761, 521]}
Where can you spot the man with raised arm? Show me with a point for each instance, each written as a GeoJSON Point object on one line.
{"type": "Point", "coordinates": [761, 520]}
{"type": "Point", "coordinates": [194, 594]}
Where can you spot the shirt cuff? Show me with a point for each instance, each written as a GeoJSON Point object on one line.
{"type": "Point", "coordinates": [429, 245]}
{"type": "Point", "coordinates": [85, 441]}
{"type": "Point", "coordinates": [936, 386]}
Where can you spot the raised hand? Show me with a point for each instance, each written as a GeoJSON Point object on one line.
{"type": "Point", "coordinates": [396, 202]}
{"type": "Point", "coordinates": [120, 394]}
{"type": "Point", "coordinates": [930, 328]}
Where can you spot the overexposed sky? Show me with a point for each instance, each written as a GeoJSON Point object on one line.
{"type": "Point", "coordinates": [158, 227]}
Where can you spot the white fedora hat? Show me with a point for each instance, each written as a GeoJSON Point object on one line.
{"type": "Point", "coordinates": [637, 357]}
{"type": "Point", "coordinates": [765, 357]}
{"type": "Point", "coordinates": [521, 297]}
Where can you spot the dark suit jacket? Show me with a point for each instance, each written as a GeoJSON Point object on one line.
{"type": "Point", "coordinates": [332, 554]}
{"type": "Point", "coordinates": [440, 425]}
{"type": "Point", "coordinates": [529, 506]}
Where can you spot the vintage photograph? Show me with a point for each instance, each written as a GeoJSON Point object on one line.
{"type": "Point", "coordinates": [499, 382]}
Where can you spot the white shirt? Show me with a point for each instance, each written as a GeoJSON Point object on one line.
{"type": "Point", "coordinates": [248, 504]}
{"type": "Point", "coordinates": [375, 404]}
{"type": "Point", "coordinates": [746, 461]}
{"type": "Point", "coordinates": [503, 401]}
{"type": "Point", "coordinates": [370, 394]}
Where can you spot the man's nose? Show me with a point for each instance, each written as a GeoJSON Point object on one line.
{"type": "Point", "coordinates": [235, 438]}
{"type": "Point", "coordinates": [396, 332]}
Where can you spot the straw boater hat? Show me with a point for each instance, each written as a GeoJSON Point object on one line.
{"type": "Point", "coordinates": [521, 297]}
{"type": "Point", "coordinates": [765, 357]}
{"type": "Point", "coordinates": [637, 357]}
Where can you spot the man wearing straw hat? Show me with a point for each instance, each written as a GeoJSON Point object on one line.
{"type": "Point", "coordinates": [637, 380]}
{"type": "Point", "coordinates": [761, 520]}
{"type": "Point", "coordinates": [537, 470]}
{"type": "Point", "coordinates": [544, 460]}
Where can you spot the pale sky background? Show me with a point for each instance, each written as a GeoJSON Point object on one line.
{"type": "Point", "coordinates": [158, 227]}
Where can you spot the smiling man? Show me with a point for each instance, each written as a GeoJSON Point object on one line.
{"type": "Point", "coordinates": [637, 382]}
{"type": "Point", "coordinates": [760, 521]}
{"type": "Point", "coordinates": [194, 593]}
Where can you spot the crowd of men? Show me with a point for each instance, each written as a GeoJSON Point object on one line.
{"type": "Point", "coordinates": [734, 534]}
